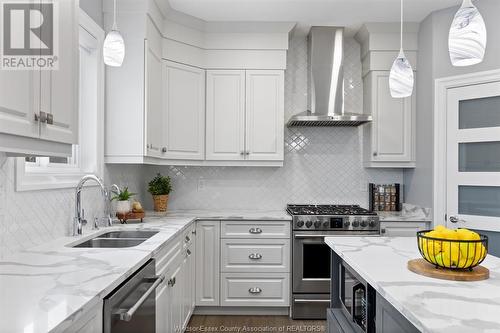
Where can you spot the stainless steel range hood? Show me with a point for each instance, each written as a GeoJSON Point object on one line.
{"type": "Point", "coordinates": [326, 82]}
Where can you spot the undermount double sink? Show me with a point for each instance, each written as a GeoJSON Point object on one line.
{"type": "Point", "coordinates": [118, 239]}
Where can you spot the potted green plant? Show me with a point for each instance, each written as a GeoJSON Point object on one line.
{"type": "Point", "coordinates": [122, 198]}
{"type": "Point", "coordinates": [160, 188]}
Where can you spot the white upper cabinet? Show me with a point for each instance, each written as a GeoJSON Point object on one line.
{"type": "Point", "coordinates": [192, 96]}
{"type": "Point", "coordinates": [264, 138]}
{"type": "Point", "coordinates": [17, 103]}
{"type": "Point", "coordinates": [153, 105]}
{"type": "Point", "coordinates": [392, 133]}
{"type": "Point", "coordinates": [60, 100]}
{"type": "Point", "coordinates": [225, 138]}
{"type": "Point", "coordinates": [39, 108]}
{"type": "Point", "coordinates": [184, 112]}
{"type": "Point", "coordinates": [389, 140]}
{"type": "Point", "coordinates": [245, 115]}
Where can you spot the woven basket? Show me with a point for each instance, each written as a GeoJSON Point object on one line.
{"type": "Point", "coordinates": [160, 202]}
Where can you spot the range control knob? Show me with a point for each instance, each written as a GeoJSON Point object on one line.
{"type": "Point", "coordinates": [317, 224]}
{"type": "Point", "coordinates": [309, 224]}
{"type": "Point", "coordinates": [300, 224]}
{"type": "Point", "coordinates": [325, 224]}
{"type": "Point", "coordinates": [363, 223]}
{"type": "Point", "coordinates": [347, 224]}
{"type": "Point", "coordinates": [355, 223]}
{"type": "Point", "coordinates": [372, 223]}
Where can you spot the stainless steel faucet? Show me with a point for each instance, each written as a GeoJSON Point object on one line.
{"type": "Point", "coordinates": [79, 220]}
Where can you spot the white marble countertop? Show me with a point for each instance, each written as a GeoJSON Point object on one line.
{"type": "Point", "coordinates": [431, 305]}
{"type": "Point", "coordinates": [47, 288]}
{"type": "Point", "coordinates": [409, 213]}
{"type": "Point", "coordinates": [227, 214]}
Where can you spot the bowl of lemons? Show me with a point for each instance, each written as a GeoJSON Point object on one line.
{"type": "Point", "coordinates": [454, 249]}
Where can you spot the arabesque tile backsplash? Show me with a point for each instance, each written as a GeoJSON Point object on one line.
{"type": "Point", "coordinates": [322, 165]}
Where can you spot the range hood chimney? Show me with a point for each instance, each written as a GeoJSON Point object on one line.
{"type": "Point", "coordinates": [326, 82]}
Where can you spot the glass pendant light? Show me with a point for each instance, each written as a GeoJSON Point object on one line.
{"type": "Point", "coordinates": [467, 38]}
{"type": "Point", "coordinates": [401, 77]}
{"type": "Point", "coordinates": [113, 49]}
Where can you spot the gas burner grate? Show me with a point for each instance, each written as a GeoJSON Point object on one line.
{"type": "Point", "coordinates": [328, 210]}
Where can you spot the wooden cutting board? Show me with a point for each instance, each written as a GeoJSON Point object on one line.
{"type": "Point", "coordinates": [422, 267]}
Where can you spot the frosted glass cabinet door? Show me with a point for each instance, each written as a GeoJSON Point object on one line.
{"type": "Point", "coordinates": [473, 156]}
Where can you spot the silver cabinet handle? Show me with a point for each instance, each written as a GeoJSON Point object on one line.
{"type": "Point", "coordinates": [382, 230]}
{"type": "Point", "coordinates": [255, 290]}
{"type": "Point", "coordinates": [187, 239]}
{"type": "Point", "coordinates": [242, 152]}
{"type": "Point", "coordinates": [50, 119]}
{"type": "Point", "coordinates": [375, 153]}
{"type": "Point", "coordinates": [126, 315]}
{"type": "Point", "coordinates": [171, 281]}
{"type": "Point", "coordinates": [247, 152]}
{"type": "Point", "coordinates": [193, 232]}
{"type": "Point", "coordinates": [255, 230]}
{"type": "Point", "coordinates": [188, 252]}
{"type": "Point", "coordinates": [164, 150]}
{"type": "Point", "coordinates": [41, 117]}
{"type": "Point", "coordinates": [255, 256]}
{"type": "Point", "coordinates": [455, 219]}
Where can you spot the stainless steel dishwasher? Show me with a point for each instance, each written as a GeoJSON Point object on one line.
{"type": "Point", "coordinates": [131, 307]}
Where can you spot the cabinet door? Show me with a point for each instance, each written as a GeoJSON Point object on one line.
{"type": "Point", "coordinates": [225, 115]}
{"type": "Point", "coordinates": [153, 90]}
{"type": "Point", "coordinates": [59, 88]}
{"type": "Point", "coordinates": [403, 228]}
{"type": "Point", "coordinates": [162, 308]}
{"type": "Point", "coordinates": [175, 303]}
{"type": "Point", "coordinates": [184, 103]}
{"type": "Point", "coordinates": [17, 103]}
{"type": "Point", "coordinates": [207, 262]}
{"type": "Point", "coordinates": [390, 320]}
{"type": "Point", "coordinates": [264, 115]}
{"type": "Point", "coordinates": [393, 121]}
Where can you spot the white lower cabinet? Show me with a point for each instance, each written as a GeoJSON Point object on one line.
{"type": "Point", "coordinates": [255, 289]}
{"type": "Point", "coordinates": [403, 228]}
{"type": "Point", "coordinates": [174, 297]}
{"type": "Point", "coordinates": [207, 263]}
{"type": "Point", "coordinates": [243, 263]}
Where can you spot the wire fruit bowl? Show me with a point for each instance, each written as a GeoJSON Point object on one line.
{"type": "Point", "coordinates": [455, 254]}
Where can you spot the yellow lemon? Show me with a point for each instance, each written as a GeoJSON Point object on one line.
{"type": "Point", "coordinates": [449, 234]}
{"type": "Point", "coordinates": [465, 234]}
{"type": "Point", "coordinates": [451, 254]}
{"type": "Point", "coordinates": [440, 228]}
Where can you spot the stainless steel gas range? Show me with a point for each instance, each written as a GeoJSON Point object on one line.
{"type": "Point", "coordinates": [311, 256]}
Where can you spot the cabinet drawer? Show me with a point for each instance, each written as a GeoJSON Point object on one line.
{"type": "Point", "coordinates": [255, 255]}
{"type": "Point", "coordinates": [255, 289]}
{"type": "Point", "coordinates": [169, 255]}
{"type": "Point", "coordinates": [255, 229]}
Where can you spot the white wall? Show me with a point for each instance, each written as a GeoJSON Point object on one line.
{"type": "Point", "coordinates": [435, 63]}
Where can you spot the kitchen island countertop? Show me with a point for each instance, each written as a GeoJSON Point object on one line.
{"type": "Point", "coordinates": [431, 305]}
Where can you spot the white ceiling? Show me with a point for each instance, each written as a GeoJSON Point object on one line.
{"type": "Point", "coordinates": [347, 13]}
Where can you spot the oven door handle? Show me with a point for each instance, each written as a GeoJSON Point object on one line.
{"type": "Point", "coordinates": [299, 300]}
{"type": "Point", "coordinates": [311, 236]}
{"type": "Point", "coordinates": [126, 315]}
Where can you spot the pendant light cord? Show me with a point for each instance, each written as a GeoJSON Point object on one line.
{"type": "Point", "coordinates": [400, 37]}
{"type": "Point", "coordinates": [114, 15]}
